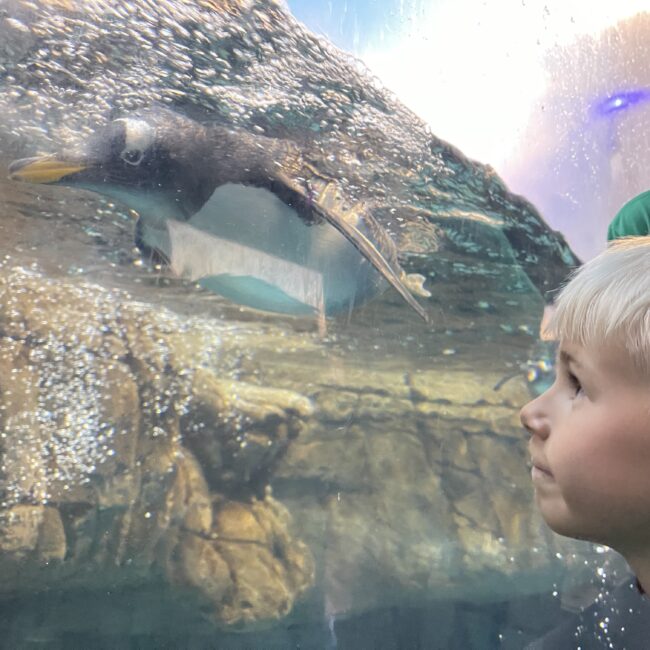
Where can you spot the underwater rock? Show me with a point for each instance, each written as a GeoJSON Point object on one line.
{"type": "Point", "coordinates": [115, 458]}
{"type": "Point", "coordinates": [424, 489]}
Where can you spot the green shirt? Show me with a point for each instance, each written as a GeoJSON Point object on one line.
{"type": "Point", "coordinates": [633, 219]}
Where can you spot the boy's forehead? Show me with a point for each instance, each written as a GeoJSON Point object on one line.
{"type": "Point", "coordinates": [605, 358]}
{"type": "Point", "coordinates": [589, 356]}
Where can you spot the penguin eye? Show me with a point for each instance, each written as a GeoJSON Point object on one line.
{"type": "Point", "coordinates": [132, 156]}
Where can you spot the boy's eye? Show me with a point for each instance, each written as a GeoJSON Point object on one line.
{"type": "Point", "coordinates": [575, 383]}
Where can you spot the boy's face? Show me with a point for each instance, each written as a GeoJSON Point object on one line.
{"type": "Point", "coordinates": [590, 448]}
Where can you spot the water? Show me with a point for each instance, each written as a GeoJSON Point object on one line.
{"type": "Point", "coordinates": [181, 471]}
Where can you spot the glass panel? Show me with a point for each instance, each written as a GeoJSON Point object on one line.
{"type": "Point", "coordinates": [265, 332]}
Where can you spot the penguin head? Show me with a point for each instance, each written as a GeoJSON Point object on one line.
{"type": "Point", "coordinates": [125, 152]}
{"type": "Point", "coordinates": [120, 152]}
{"type": "Point", "coordinates": [144, 153]}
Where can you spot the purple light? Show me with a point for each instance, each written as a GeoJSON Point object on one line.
{"type": "Point", "coordinates": [621, 101]}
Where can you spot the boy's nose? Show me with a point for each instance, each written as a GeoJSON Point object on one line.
{"type": "Point", "coordinates": [534, 418]}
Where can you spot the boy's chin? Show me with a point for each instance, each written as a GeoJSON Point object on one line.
{"type": "Point", "coordinates": [562, 521]}
{"type": "Point", "coordinates": [573, 530]}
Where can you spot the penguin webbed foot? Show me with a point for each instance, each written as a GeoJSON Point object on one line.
{"type": "Point", "coordinates": [415, 284]}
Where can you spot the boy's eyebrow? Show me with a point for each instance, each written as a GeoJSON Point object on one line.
{"type": "Point", "coordinates": [567, 359]}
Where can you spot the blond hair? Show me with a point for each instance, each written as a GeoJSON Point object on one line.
{"type": "Point", "coordinates": [607, 302]}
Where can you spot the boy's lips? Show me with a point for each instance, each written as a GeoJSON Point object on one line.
{"type": "Point", "coordinates": [539, 470]}
{"type": "Point", "coordinates": [538, 463]}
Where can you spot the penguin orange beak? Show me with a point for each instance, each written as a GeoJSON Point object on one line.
{"type": "Point", "coordinates": [43, 169]}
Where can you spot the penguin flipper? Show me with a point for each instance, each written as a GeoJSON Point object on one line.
{"type": "Point", "coordinates": [328, 204]}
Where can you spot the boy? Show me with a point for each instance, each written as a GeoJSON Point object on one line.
{"type": "Point", "coordinates": [590, 432]}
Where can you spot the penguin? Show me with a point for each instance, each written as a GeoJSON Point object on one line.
{"type": "Point", "coordinates": [244, 215]}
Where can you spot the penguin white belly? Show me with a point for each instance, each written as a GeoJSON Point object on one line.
{"type": "Point", "coordinates": [252, 248]}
